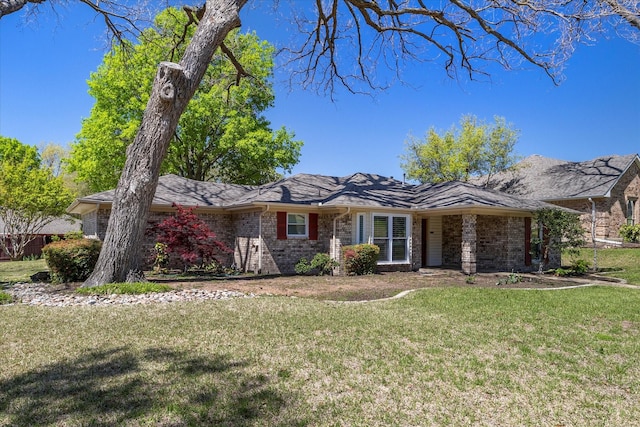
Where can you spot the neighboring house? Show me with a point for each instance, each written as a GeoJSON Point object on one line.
{"type": "Point", "coordinates": [606, 190]}
{"type": "Point", "coordinates": [270, 227]}
{"type": "Point", "coordinates": [58, 227]}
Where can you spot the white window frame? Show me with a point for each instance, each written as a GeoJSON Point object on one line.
{"type": "Point", "coordinates": [631, 210]}
{"type": "Point", "coordinates": [390, 238]}
{"type": "Point", "coordinates": [361, 233]}
{"type": "Point", "coordinates": [306, 226]}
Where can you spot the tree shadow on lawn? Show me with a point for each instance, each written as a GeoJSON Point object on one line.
{"type": "Point", "coordinates": [160, 386]}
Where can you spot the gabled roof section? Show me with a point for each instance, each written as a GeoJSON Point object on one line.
{"type": "Point", "coordinates": [542, 178]}
{"type": "Point", "coordinates": [174, 189]}
{"type": "Point", "coordinates": [462, 195]}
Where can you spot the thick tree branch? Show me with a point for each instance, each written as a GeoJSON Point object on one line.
{"type": "Point", "coordinates": [10, 6]}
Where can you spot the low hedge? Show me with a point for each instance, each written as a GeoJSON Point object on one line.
{"type": "Point", "coordinates": [71, 260]}
{"type": "Point", "coordinates": [360, 259]}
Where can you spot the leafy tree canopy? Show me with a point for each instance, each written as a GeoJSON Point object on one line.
{"type": "Point", "coordinates": [474, 149]}
{"type": "Point", "coordinates": [562, 232]}
{"type": "Point", "coordinates": [30, 196]}
{"type": "Point", "coordinates": [13, 151]}
{"type": "Point", "coordinates": [222, 135]}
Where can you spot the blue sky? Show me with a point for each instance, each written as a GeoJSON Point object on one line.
{"type": "Point", "coordinates": [45, 63]}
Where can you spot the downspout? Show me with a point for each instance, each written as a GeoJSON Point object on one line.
{"type": "Point", "coordinates": [335, 241]}
{"type": "Point", "coordinates": [593, 234]}
{"type": "Point", "coordinates": [264, 210]}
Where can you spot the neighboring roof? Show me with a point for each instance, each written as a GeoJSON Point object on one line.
{"type": "Point", "coordinates": [542, 178]}
{"type": "Point", "coordinates": [323, 192]}
{"type": "Point", "coordinates": [59, 226]}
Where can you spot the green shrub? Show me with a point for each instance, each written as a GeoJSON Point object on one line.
{"type": "Point", "coordinates": [321, 263]}
{"type": "Point", "coordinates": [579, 267]}
{"type": "Point", "coordinates": [630, 233]}
{"type": "Point", "coordinates": [73, 235]}
{"type": "Point", "coordinates": [5, 298]}
{"type": "Point", "coordinates": [360, 259]}
{"type": "Point", "coordinates": [125, 288]}
{"type": "Point", "coordinates": [71, 260]}
{"type": "Point", "coordinates": [303, 266]}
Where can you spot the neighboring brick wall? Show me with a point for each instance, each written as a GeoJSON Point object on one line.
{"type": "Point", "coordinates": [611, 213]}
{"type": "Point", "coordinates": [628, 186]}
{"type": "Point", "coordinates": [603, 217]}
{"type": "Point", "coordinates": [90, 224]}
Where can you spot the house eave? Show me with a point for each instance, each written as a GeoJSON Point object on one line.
{"type": "Point", "coordinates": [474, 210]}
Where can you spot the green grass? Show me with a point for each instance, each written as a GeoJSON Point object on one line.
{"type": "Point", "coordinates": [623, 263]}
{"type": "Point", "coordinates": [20, 271]}
{"type": "Point", "coordinates": [446, 356]}
{"type": "Point", "coordinates": [125, 288]}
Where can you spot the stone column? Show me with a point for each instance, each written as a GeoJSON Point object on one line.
{"type": "Point", "coordinates": [469, 244]}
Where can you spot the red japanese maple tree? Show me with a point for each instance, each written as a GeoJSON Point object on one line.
{"type": "Point", "coordinates": [190, 238]}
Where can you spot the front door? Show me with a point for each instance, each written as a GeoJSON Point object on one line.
{"type": "Point", "coordinates": [433, 241]}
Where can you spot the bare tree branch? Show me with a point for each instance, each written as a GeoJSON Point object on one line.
{"type": "Point", "coordinates": [347, 41]}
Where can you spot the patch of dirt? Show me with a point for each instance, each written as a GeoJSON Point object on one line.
{"type": "Point", "coordinates": [357, 288]}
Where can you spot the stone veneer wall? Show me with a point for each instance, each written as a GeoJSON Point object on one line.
{"type": "Point", "coordinates": [500, 244]}
{"type": "Point", "coordinates": [281, 256]}
{"type": "Point", "coordinates": [246, 247]}
{"type": "Point", "coordinates": [220, 224]}
{"type": "Point", "coordinates": [415, 243]}
{"type": "Point", "coordinates": [452, 240]}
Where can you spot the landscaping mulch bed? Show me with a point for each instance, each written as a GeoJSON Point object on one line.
{"type": "Point", "coordinates": [368, 287]}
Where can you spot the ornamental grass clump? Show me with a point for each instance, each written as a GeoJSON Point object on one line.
{"type": "Point", "coordinates": [71, 260]}
{"type": "Point", "coordinates": [136, 288]}
{"type": "Point", "coordinates": [360, 259]}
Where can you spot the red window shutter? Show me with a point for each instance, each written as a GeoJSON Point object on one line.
{"type": "Point", "coordinates": [281, 225]}
{"type": "Point", "coordinates": [313, 226]}
{"type": "Point", "coordinates": [527, 241]}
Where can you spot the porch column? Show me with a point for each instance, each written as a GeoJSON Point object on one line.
{"type": "Point", "coordinates": [469, 244]}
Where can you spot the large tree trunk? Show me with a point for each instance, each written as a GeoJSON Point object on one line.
{"type": "Point", "coordinates": [173, 87]}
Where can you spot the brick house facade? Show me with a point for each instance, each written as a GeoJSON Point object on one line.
{"type": "Point", "coordinates": [271, 227]}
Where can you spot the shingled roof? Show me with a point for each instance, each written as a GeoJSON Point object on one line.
{"type": "Point", "coordinates": [542, 178]}
{"type": "Point", "coordinates": [320, 191]}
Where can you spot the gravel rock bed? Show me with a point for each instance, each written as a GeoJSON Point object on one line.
{"type": "Point", "coordinates": [39, 294]}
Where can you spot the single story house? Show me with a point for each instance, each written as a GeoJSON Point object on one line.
{"type": "Point", "coordinates": [57, 227]}
{"type": "Point", "coordinates": [272, 226]}
{"type": "Point", "coordinates": [606, 189]}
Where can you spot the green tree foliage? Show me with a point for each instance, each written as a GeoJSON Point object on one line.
{"type": "Point", "coordinates": [474, 149]}
{"type": "Point", "coordinates": [562, 231]}
{"type": "Point", "coordinates": [222, 135]}
{"type": "Point", "coordinates": [30, 196]}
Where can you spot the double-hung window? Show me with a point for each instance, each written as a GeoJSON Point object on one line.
{"type": "Point", "coordinates": [297, 225]}
{"type": "Point", "coordinates": [631, 207]}
{"type": "Point", "coordinates": [391, 234]}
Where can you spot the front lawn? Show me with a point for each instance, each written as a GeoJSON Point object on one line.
{"type": "Point", "coordinates": [440, 356]}
{"type": "Point", "coordinates": [623, 263]}
{"type": "Point", "coordinates": [20, 271]}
